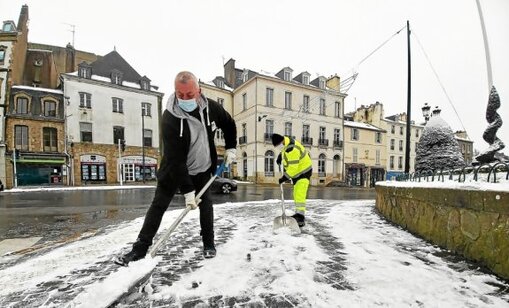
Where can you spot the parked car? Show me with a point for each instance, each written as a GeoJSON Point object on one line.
{"type": "Point", "coordinates": [223, 185]}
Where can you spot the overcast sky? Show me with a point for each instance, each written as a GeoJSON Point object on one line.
{"type": "Point", "coordinates": [160, 38]}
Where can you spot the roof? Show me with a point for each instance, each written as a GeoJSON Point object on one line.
{"type": "Point", "coordinates": [114, 61]}
{"type": "Point", "coordinates": [362, 125]}
{"type": "Point", "coordinates": [54, 91]}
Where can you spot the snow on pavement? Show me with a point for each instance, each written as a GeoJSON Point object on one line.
{"type": "Point", "coordinates": [347, 256]}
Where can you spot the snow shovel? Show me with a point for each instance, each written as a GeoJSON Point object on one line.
{"type": "Point", "coordinates": [165, 236]}
{"type": "Point", "coordinates": [283, 220]}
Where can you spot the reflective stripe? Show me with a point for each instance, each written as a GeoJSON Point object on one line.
{"type": "Point", "coordinates": [295, 158]}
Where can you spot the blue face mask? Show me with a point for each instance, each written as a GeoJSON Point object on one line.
{"type": "Point", "coordinates": [187, 104]}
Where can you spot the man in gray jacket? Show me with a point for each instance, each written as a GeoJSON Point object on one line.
{"type": "Point", "coordinates": [189, 159]}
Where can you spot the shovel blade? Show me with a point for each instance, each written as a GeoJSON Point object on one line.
{"type": "Point", "coordinates": [286, 222]}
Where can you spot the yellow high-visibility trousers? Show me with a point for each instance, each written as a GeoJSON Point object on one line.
{"type": "Point", "coordinates": [300, 191]}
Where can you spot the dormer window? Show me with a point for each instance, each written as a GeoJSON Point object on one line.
{"type": "Point", "coordinates": [321, 83]}
{"type": "Point", "coordinates": [245, 76]}
{"type": "Point", "coordinates": [220, 84]}
{"type": "Point", "coordinates": [116, 77]}
{"type": "Point", "coordinates": [84, 70]}
{"type": "Point", "coordinates": [287, 74]}
{"type": "Point", "coordinates": [8, 26]}
{"type": "Point", "coordinates": [305, 80]}
{"type": "Point", "coordinates": [145, 83]}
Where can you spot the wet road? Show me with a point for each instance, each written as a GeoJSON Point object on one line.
{"type": "Point", "coordinates": [63, 215]}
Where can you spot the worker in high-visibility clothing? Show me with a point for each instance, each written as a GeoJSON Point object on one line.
{"type": "Point", "coordinates": [297, 167]}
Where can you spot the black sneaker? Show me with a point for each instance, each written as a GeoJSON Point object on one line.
{"type": "Point", "coordinates": [209, 252]}
{"type": "Point", "coordinates": [131, 256]}
{"type": "Point", "coordinates": [300, 219]}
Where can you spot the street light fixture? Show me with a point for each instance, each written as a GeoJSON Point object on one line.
{"type": "Point", "coordinates": [143, 112]}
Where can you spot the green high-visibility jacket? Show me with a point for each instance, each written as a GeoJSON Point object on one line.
{"type": "Point", "coordinates": [295, 158]}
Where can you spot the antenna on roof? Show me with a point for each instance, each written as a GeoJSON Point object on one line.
{"type": "Point", "coordinates": [73, 31]}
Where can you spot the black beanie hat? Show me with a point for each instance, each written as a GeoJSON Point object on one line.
{"type": "Point", "coordinates": [277, 139]}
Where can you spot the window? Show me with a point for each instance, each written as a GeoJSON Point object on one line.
{"type": "Point", "coordinates": [244, 129]}
{"type": "Point", "coordinates": [118, 134]}
{"type": "Point", "coordinates": [49, 135]}
{"type": "Point", "coordinates": [337, 136]}
{"type": "Point", "coordinates": [401, 145]}
{"type": "Point", "coordinates": [417, 133]}
{"type": "Point", "coordinates": [269, 97]}
{"type": "Point", "coordinates": [118, 104]}
{"type": "Point", "coordinates": [220, 101]}
{"type": "Point", "coordinates": [305, 131]}
{"type": "Point", "coordinates": [245, 76]}
{"type": "Point", "coordinates": [84, 72]}
{"type": "Point", "coordinates": [321, 165]}
{"type": "Point", "coordinates": [8, 26]}
{"type": "Point", "coordinates": [391, 166]}
{"type": "Point", "coordinates": [355, 155]}
{"type": "Point", "coordinates": [355, 134]}
{"type": "Point", "coordinates": [321, 84]}
{"type": "Point", "coordinates": [220, 84]}
{"type": "Point", "coordinates": [269, 163]}
{"type": "Point", "coordinates": [146, 109]}
{"type": "Point", "coordinates": [393, 129]}
{"type": "Point", "coordinates": [50, 108]}
{"type": "Point", "coordinates": [378, 137]}
{"type": "Point", "coordinates": [85, 100]}
{"type": "Point", "coordinates": [86, 132]}
{"type": "Point", "coordinates": [322, 106]}
{"type": "Point", "coordinates": [288, 128]}
{"type": "Point", "coordinates": [269, 127]}
{"type": "Point", "coordinates": [2, 56]}
{"type": "Point", "coordinates": [401, 130]}
{"type": "Point", "coordinates": [116, 78]}
{"type": "Point", "coordinates": [392, 144]}
{"type": "Point", "coordinates": [147, 137]}
{"type": "Point", "coordinates": [337, 109]}
{"type": "Point", "coordinates": [287, 75]}
{"type": "Point", "coordinates": [21, 137]}
{"type": "Point", "coordinates": [322, 133]}
{"type": "Point", "coordinates": [377, 158]}
{"type": "Point", "coordinates": [22, 105]}
{"type": "Point", "coordinates": [305, 104]}
{"type": "Point", "coordinates": [244, 101]}
{"type": "Point", "coordinates": [288, 100]}
{"type": "Point", "coordinates": [400, 162]}
{"type": "Point", "coordinates": [305, 79]}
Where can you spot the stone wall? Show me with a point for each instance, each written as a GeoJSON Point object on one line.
{"type": "Point", "coordinates": [472, 223]}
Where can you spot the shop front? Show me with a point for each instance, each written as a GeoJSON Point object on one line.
{"type": "Point", "coordinates": [134, 167]}
{"type": "Point", "coordinates": [356, 174]}
{"type": "Point", "coordinates": [93, 169]}
{"type": "Point", "coordinates": [34, 170]}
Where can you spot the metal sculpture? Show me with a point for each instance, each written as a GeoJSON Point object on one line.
{"type": "Point", "coordinates": [494, 121]}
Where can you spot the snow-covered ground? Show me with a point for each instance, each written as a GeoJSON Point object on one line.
{"type": "Point", "coordinates": [348, 256]}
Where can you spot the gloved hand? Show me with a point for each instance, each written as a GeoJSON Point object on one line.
{"type": "Point", "coordinates": [190, 200]}
{"type": "Point", "coordinates": [230, 156]}
{"type": "Point", "coordinates": [283, 179]}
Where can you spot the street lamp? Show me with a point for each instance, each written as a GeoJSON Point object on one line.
{"type": "Point", "coordinates": [260, 118]}
{"type": "Point", "coordinates": [425, 112]}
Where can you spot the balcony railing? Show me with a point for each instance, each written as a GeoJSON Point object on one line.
{"type": "Point", "coordinates": [338, 144]}
{"type": "Point", "coordinates": [323, 142]}
{"type": "Point", "coordinates": [243, 140]}
{"type": "Point", "coordinates": [307, 141]}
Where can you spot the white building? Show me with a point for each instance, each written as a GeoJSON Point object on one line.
{"type": "Point", "coordinates": [309, 110]}
{"type": "Point", "coordinates": [109, 103]}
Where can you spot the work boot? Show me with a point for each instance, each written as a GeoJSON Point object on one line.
{"type": "Point", "coordinates": [209, 252]}
{"type": "Point", "coordinates": [300, 219]}
{"type": "Point", "coordinates": [138, 252]}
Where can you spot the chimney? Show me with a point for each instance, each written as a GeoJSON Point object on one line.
{"type": "Point", "coordinates": [70, 58]}
{"type": "Point", "coordinates": [229, 73]}
{"type": "Point", "coordinates": [333, 83]}
{"type": "Point", "coordinates": [23, 19]}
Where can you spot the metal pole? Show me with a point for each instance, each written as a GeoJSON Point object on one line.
{"type": "Point", "coordinates": [120, 169]}
{"type": "Point", "coordinates": [15, 171]}
{"type": "Point", "coordinates": [486, 47]}
{"type": "Point", "coordinates": [142, 142]}
{"type": "Point", "coordinates": [408, 108]}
